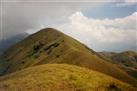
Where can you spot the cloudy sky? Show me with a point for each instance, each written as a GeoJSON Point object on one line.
{"type": "Point", "coordinates": [103, 25]}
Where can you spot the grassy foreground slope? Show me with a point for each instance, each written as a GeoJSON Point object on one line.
{"type": "Point", "coordinates": [61, 77]}
{"type": "Point", "coordinates": [51, 46]}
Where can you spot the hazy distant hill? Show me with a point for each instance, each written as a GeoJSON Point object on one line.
{"type": "Point", "coordinates": [126, 60]}
{"type": "Point", "coordinates": [8, 42]}
{"type": "Point", "coordinates": [49, 46]}
{"type": "Point", "coordinates": [61, 77]}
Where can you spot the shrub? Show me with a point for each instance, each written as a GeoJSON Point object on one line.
{"type": "Point", "coordinates": [36, 48]}
{"type": "Point", "coordinates": [56, 44]}
{"type": "Point", "coordinates": [57, 56]}
{"type": "Point", "coordinates": [50, 47]}
{"type": "Point", "coordinates": [36, 56]}
{"type": "Point", "coordinates": [22, 62]}
{"type": "Point", "coordinates": [113, 87]}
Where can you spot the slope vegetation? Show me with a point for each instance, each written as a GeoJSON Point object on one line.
{"type": "Point", "coordinates": [125, 60]}
{"type": "Point", "coordinates": [50, 46]}
{"type": "Point", "coordinates": [61, 77]}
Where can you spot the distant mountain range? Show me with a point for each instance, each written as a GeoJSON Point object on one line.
{"type": "Point", "coordinates": [52, 61]}
{"type": "Point", "coordinates": [8, 42]}
{"type": "Point", "coordinates": [125, 60]}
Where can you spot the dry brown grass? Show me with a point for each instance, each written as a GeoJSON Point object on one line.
{"type": "Point", "coordinates": [61, 77]}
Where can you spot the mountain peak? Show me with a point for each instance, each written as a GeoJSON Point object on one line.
{"type": "Point", "coordinates": [48, 29]}
{"type": "Point", "coordinates": [52, 46]}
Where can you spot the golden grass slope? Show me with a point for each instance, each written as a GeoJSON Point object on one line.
{"type": "Point", "coordinates": [50, 46]}
{"type": "Point", "coordinates": [61, 77]}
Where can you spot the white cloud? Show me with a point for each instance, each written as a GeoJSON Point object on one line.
{"type": "Point", "coordinates": [22, 16]}
{"type": "Point", "coordinates": [121, 31]}
{"type": "Point", "coordinates": [121, 3]}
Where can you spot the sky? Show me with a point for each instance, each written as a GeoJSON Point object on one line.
{"type": "Point", "coordinates": [103, 25]}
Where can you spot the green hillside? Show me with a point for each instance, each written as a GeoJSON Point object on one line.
{"type": "Point", "coordinates": [61, 77]}
{"type": "Point", "coordinates": [125, 60]}
{"type": "Point", "coordinates": [49, 46]}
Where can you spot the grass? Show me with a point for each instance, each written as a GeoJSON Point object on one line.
{"type": "Point", "coordinates": [51, 46]}
{"type": "Point", "coordinates": [61, 77]}
{"type": "Point", "coordinates": [125, 60]}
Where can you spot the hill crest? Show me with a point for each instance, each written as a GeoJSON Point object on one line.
{"type": "Point", "coordinates": [61, 77]}
{"type": "Point", "coordinates": [51, 46]}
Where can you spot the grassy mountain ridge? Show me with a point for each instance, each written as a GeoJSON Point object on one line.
{"type": "Point", "coordinates": [61, 77]}
{"type": "Point", "coordinates": [50, 46]}
{"type": "Point", "coordinates": [127, 56]}
{"type": "Point", "coordinates": [125, 60]}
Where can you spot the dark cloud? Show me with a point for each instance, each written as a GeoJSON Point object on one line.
{"type": "Point", "coordinates": [21, 15]}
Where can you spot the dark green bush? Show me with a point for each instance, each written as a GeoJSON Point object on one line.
{"type": "Point", "coordinates": [36, 48]}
